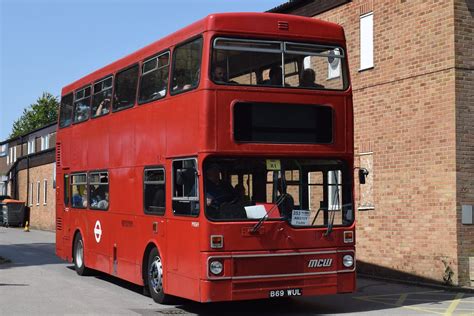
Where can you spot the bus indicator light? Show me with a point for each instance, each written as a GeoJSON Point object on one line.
{"type": "Point", "coordinates": [348, 237]}
{"type": "Point", "coordinates": [217, 241]}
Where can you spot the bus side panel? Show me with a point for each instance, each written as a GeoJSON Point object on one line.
{"type": "Point", "coordinates": [183, 258]}
{"type": "Point", "coordinates": [126, 191]}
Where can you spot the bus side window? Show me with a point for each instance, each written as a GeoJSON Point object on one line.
{"type": "Point", "coordinates": [66, 190]}
{"type": "Point", "coordinates": [102, 97]}
{"type": "Point", "coordinates": [154, 78]}
{"type": "Point", "coordinates": [79, 190]}
{"type": "Point", "coordinates": [82, 102]}
{"type": "Point", "coordinates": [65, 116]}
{"type": "Point", "coordinates": [99, 190]}
{"type": "Point", "coordinates": [185, 188]}
{"type": "Point", "coordinates": [154, 193]}
{"type": "Point", "coordinates": [187, 66]}
{"type": "Point", "coordinates": [125, 88]}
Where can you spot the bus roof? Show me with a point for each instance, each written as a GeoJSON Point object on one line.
{"type": "Point", "coordinates": [269, 24]}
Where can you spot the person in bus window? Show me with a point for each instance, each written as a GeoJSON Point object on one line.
{"type": "Point", "coordinates": [103, 107]}
{"type": "Point", "coordinates": [285, 200]}
{"type": "Point", "coordinates": [217, 190]}
{"type": "Point", "coordinates": [181, 81]}
{"type": "Point", "coordinates": [275, 76]}
{"type": "Point", "coordinates": [103, 204]}
{"type": "Point", "coordinates": [219, 74]}
{"type": "Point", "coordinates": [308, 78]}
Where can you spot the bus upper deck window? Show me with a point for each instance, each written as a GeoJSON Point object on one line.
{"type": "Point", "coordinates": [154, 78]}
{"type": "Point", "coordinates": [187, 66]}
{"type": "Point", "coordinates": [102, 97]}
{"type": "Point", "coordinates": [259, 62]}
{"type": "Point", "coordinates": [65, 112]}
{"type": "Point", "coordinates": [82, 102]}
{"type": "Point", "coordinates": [125, 88]}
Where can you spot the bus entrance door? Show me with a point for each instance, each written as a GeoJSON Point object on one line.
{"type": "Point", "coordinates": [63, 238]}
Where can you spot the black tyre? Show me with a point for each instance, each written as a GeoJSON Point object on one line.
{"type": "Point", "coordinates": [78, 256]}
{"type": "Point", "coordinates": [154, 278]}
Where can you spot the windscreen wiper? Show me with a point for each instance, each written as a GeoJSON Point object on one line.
{"type": "Point", "coordinates": [280, 200]}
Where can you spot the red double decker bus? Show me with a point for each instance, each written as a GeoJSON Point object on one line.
{"type": "Point", "coordinates": [215, 164]}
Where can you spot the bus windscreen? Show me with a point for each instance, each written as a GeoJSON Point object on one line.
{"type": "Point", "coordinates": [304, 192]}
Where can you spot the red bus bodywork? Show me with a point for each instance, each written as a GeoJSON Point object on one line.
{"type": "Point", "coordinates": [198, 124]}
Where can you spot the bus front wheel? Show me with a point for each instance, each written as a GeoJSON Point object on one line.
{"type": "Point", "coordinates": [79, 264]}
{"type": "Point", "coordinates": [155, 278]}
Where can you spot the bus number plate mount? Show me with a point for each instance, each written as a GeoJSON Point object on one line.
{"type": "Point", "coordinates": [285, 293]}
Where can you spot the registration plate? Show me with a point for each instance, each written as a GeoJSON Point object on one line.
{"type": "Point", "coordinates": [285, 293]}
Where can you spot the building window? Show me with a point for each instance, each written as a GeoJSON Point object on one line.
{"type": "Point", "coordinates": [367, 41]}
{"type": "Point", "coordinates": [45, 192]}
{"type": "Point", "coordinates": [4, 150]}
{"type": "Point", "coordinates": [38, 189]}
{"type": "Point", "coordinates": [186, 66]}
{"type": "Point", "coordinates": [154, 78]}
{"type": "Point", "coordinates": [366, 191]}
{"type": "Point", "coordinates": [125, 88]}
{"type": "Point", "coordinates": [30, 196]}
{"type": "Point", "coordinates": [31, 146]}
{"type": "Point", "coordinates": [79, 190]}
{"type": "Point", "coordinates": [54, 176]}
{"type": "Point", "coordinates": [99, 190]}
{"type": "Point", "coordinates": [185, 187]}
{"type": "Point", "coordinates": [102, 97]}
{"type": "Point", "coordinates": [12, 155]}
{"type": "Point", "coordinates": [44, 142]}
{"type": "Point", "coordinates": [154, 191]}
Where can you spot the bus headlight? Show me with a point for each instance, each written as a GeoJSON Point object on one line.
{"type": "Point", "coordinates": [347, 261]}
{"type": "Point", "coordinates": [216, 267]}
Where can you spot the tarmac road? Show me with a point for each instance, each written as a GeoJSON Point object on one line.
{"type": "Point", "coordinates": [37, 282]}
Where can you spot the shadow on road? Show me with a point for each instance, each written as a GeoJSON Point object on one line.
{"type": "Point", "coordinates": [33, 254]}
{"type": "Point", "coordinates": [372, 295]}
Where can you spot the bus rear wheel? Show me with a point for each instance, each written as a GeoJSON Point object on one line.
{"type": "Point", "coordinates": [155, 278]}
{"type": "Point", "coordinates": [78, 255]}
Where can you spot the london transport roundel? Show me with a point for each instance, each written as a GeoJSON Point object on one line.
{"type": "Point", "coordinates": [97, 231]}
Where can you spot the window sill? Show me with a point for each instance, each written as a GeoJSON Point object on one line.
{"type": "Point", "coordinates": [366, 208]}
{"type": "Point", "coordinates": [332, 78]}
{"type": "Point", "coordinates": [365, 69]}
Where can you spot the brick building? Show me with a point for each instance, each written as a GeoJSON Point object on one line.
{"type": "Point", "coordinates": [27, 173]}
{"type": "Point", "coordinates": [412, 69]}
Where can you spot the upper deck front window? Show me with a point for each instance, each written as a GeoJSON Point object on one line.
{"type": "Point", "coordinates": [278, 64]}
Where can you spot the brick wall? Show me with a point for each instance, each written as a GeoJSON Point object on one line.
{"type": "Point", "coordinates": [404, 112]}
{"type": "Point", "coordinates": [464, 39]}
{"type": "Point", "coordinates": [42, 216]}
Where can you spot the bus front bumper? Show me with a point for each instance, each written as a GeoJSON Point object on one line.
{"type": "Point", "coordinates": [261, 275]}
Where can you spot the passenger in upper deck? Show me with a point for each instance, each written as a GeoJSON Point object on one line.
{"type": "Point", "coordinates": [276, 78]}
{"type": "Point", "coordinates": [308, 78]}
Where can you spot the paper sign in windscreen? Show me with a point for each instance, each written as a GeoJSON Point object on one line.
{"type": "Point", "coordinates": [300, 218]}
{"type": "Point", "coordinates": [255, 212]}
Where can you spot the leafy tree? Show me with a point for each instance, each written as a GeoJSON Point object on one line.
{"type": "Point", "coordinates": [38, 114]}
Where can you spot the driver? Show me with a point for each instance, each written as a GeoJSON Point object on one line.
{"type": "Point", "coordinates": [217, 190]}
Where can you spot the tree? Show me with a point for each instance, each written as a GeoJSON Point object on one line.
{"type": "Point", "coordinates": [44, 111]}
